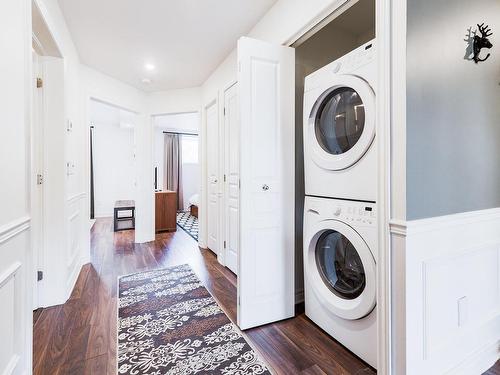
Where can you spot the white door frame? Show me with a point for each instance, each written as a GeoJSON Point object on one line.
{"type": "Point", "coordinates": [224, 200]}
{"type": "Point", "coordinates": [45, 47]}
{"type": "Point", "coordinates": [37, 163]}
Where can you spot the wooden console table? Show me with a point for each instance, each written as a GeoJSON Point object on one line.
{"type": "Point", "coordinates": [166, 211]}
{"type": "Point", "coordinates": [120, 207]}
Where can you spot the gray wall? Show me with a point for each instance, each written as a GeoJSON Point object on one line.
{"type": "Point", "coordinates": [453, 109]}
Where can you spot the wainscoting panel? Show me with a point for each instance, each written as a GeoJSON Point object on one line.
{"type": "Point", "coordinates": [8, 355]}
{"type": "Point", "coordinates": [77, 240]}
{"type": "Point", "coordinates": [15, 314]}
{"type": "Point", "coordinates": [453, 293]}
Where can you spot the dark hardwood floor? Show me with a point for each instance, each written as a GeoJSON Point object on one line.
{"type": "Point", "coordinates": [79, 337]}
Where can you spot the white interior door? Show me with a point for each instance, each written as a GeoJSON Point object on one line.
{"type": "Point", "coordinates": [266, 81]}
{"type": "Point", "coordinates": [232, 178]}
{"type": "Point", "coordinates": [213, 177]}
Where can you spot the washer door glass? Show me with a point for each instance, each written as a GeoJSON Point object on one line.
{"type": "Point", "coordinates": [340, 120]}
{"type": "Point", "coordinates": [340, 265]}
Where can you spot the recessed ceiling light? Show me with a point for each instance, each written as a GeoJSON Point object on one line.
{"type": "Point", "coordinates": [149, 67]}
{"type": "Point", "coordinates": [147, 81]}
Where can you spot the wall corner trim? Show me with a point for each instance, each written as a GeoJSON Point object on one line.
{"type": "Point", "coordinates": [9, 273]}
{"type": "Point", "coordinates": [14, 228]}
{"type": "Point", "coordinates": [398, 227]}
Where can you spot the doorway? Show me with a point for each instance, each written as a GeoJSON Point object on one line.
{"type": "Point", "coordinates": [177, 169]}
{"type": "Point", "coordinates": [112, 153]}
{"type": "Point", "coordinates": [47, 148]}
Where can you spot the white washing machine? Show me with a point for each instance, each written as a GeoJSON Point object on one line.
{"type": "Point", "coordinates": [340, 254]}
{"type": "Point", "coordinates": [339, 128]}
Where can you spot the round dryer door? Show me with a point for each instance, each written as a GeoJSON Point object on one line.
{"type": "Point", "coordinates": [341, 270]}
{"type": "Point", "coordinates": [342, 123]}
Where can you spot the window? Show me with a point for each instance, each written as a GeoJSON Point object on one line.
{"type": "Point", "coordinates": [189, 149]}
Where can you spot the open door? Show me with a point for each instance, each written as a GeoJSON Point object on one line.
{"type": "Point", "coordinates": [232, 177]}
{"type": "Point", "coordinates": [266, 82]}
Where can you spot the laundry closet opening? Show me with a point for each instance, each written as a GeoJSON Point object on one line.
{"type": "Point", "coordinates": [348, 30]}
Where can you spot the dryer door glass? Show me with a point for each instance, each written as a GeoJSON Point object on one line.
{"type": "Point", "coordinates": [340, 265]}
{"type": "Point", "coordinates": [340, 120]}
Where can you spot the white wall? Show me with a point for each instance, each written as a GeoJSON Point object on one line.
{"type": "Point", "coordinates": [15, 261]}
{"type": "Point", "coordinates": [174, 101]}
{"type": "Point", "coordinates": [114, 163]}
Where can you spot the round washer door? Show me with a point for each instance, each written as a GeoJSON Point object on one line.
{"type": "Point", "coordinates": [340, 269]}
{"type": "Point", "coordinates": [341, 124]}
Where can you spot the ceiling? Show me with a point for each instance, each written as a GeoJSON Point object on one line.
{"type": "Point", "coordinates": [185, 40]}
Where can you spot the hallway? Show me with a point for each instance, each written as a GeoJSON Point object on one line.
{"type": "Point", "coordinates": [79, 336]}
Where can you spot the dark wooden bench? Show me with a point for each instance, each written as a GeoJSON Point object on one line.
{"type": "Point", "coordinates": [121, 207]}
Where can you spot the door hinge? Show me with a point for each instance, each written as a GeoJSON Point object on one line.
{"type": "Point", "coordinates": [224, 244]}
{"type": "Point", "coordinates": [224, 111]}
{"type": "Point", "coordinates": [39, 275]}
{"type": "Point", "coordinates": [39, 179]}
{"type": "Point", "coordinates": [39, 83]}
{"type": "Point", "coordinates": [224, 178]}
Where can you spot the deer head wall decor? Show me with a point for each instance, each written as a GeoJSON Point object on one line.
{"type": "Point", "coordinates": [481, 42]}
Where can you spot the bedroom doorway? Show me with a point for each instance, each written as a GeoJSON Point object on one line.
{"type": "Point", "coordinates": [177, 170]}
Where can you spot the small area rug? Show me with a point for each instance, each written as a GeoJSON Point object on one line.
{"type": "Point", "coordinates": [189, 223]}
{"type": "Point", "coordinates": [168, 323]}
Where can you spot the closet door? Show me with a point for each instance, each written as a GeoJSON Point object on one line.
{"type": "Point", "coordinates": [213, 177]}
{"type": "Point", "coordinates": [232, 177]}
{"type": "Point", "coordinates": [266, 81]}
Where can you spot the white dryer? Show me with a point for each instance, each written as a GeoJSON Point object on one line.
{"type": "Point", "coordinates": [340, 254]}
{"type": "Point", "coordinates": [339, 128]}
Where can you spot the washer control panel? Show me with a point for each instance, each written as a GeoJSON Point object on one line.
{"type": "Point", "coordinates": [354, 213]}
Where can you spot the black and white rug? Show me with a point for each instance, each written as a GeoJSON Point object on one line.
{"type": "Point", "coordinates": [168, 323]}
{"type": "Point", "coordinates": [188, 223]}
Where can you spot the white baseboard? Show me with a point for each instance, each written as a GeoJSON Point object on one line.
{"type": "Point", "coordinates": [74, 277]}
{"type": "Point", "coordinates": [480, 361]}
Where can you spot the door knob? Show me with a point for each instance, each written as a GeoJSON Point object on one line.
{"type": "Point", "coordinates": [265, 187]}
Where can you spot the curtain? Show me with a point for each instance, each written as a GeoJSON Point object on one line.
{"type": "Point", "coordinates": [172, 167]}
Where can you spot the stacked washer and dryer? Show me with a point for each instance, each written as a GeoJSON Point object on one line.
{"type": "Point", "coordinates": [340, 218]}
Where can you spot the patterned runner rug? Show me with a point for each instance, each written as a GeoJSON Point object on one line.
{"type": "Point", "coordinates": [168, 323]}
{"type": "Point", "coordinates": [189, 223]}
